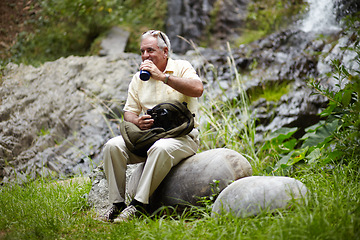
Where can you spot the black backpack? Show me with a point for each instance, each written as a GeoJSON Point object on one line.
{"type": "Point", "coordinates": [171, 119]}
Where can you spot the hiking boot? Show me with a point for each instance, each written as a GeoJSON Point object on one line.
{"type": "Point", "coordinates": [112, 212]}
{"type": "Point", "coordinates": [126, 215]}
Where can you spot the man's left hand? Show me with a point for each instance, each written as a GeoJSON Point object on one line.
{"type": "Point", "coordinates": [156, 74]}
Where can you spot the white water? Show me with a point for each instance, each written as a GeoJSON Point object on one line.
{"type": "Point", "coordinates": [320, 17]}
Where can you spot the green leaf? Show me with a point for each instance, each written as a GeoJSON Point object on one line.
{"type": "Point", "coordinates": [281, 134]}
{"type": "Point", "coordinates": [284, 160]}
{"type": "Point", "coordinates": [329, 110]}
{"type": "Point", "coordinates": [335, 155]}
{"type": "Point", "coordinates": [346, 97]}
{"type": "Point", "coordinates": [314, 155]}
{"type": "Point", "coordinates": [321, 134]}
{"type": "Point", "coordinates": [290, 145]}
{"type": "Point", "coordinates": [299, 155]}
{"type": "Point", "coordinates": [313, 128]}
{"type": "Point", "coordinates": [344, 71]}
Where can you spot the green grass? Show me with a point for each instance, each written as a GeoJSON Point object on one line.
{"type": "Point", "coordinates": [227, 123]}
{"type": "Point", "coordinates": [47, 210]}
{"type": "Point", "coordinates": [271, 92]}
{"type": "Point", "coordinates": [249, 35]}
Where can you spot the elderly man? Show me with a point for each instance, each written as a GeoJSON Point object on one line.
{"type": "Point", "coordinates": [170, 80]}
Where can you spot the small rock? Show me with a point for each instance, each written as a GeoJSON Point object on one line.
{"type": "Point", "coordinates": [252, 195]}
{"type": "Point", "coordinates": [115, 42]}
{"type": "Point", "coordinates": [98, 197]}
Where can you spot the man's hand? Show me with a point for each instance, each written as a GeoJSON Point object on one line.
{"type": "Point", "coordinates": [148, 65]}
{"type": "Point", "coordinates": [144, 122]}
{"type": "Point", "coordinates": [188, 87]}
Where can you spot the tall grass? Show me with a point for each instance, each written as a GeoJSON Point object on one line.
{"type": "Point", "coordinates": [227, 122]}
{"type": "Point", "coordinates": [47, 210]}
{"type": "Point", "coordinates": [41, 209]}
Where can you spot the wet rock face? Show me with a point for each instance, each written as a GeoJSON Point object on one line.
{"type": "Point", "coordinates": [51, 117]}
{"type": "Point", "coordinates": [348, 7]}
{"type": "Point", "coordinates": [190, 19]}
{"type": "Point", "coordinates": [223, 20]}
{"type": "Point", "coordinates": [290, 57]}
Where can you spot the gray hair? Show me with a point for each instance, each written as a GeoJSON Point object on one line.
{"type": "Point", "coordinates": [162, 39]}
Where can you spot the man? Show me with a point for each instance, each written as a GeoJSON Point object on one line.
{"type": "Point", "coordinates": [170, 80]}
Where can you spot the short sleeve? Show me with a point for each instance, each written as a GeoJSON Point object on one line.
{"type": "Point", "coordinates": [132, 102]}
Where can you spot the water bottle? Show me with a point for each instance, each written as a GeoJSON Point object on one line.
{"type": "Point", "coordinates": [144, 75]}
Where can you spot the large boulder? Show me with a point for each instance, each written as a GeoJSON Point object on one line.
{"type": "Point", "coordinates": [252, 195]}
{"type": "Point", "coordinates": [53, 117]}
{"type": "Point", "coordinates": [194, 178]}
{"type": "Point", "coordinates": [190, 180]}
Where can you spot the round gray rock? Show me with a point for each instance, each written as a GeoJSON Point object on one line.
{"type": "Point", "coordinates": [193, 178]}
{"type": "Point", "coordinates": [252, 195]}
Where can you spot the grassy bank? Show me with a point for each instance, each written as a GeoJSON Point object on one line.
{"type": "Point", "coordinates": [48, 210]}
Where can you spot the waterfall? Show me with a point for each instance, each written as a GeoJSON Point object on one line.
{"type": "Point", "coordinates": [320, 17]}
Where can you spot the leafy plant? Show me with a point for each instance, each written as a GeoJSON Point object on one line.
{"type": "Point", "coordinates": [335, 138]}
{"type": "Point", "coordinates": [343, 110]}
{"type": "Point", "coordinates": [44, 132]}
{"type": "Point", "coordinates": [208, 201]}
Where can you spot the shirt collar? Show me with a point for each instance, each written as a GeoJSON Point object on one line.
{"type": "Point", "coordinates": [170, 66]}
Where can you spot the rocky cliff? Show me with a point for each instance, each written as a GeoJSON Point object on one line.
{"type": "Point", "coordinates": [55, 118]}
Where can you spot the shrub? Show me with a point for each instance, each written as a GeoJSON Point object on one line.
{"type": "Point", "coordinates": [335, 139]}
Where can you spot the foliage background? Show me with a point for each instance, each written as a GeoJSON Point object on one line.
{"type": "Point", "coordinates": [62, 28]}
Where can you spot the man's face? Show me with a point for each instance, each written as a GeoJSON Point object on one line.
{"type": "Point", "coordinates": [150, 51]}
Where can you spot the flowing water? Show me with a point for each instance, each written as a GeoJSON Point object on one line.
{"type": "Point", "coordinates": [321, 17]}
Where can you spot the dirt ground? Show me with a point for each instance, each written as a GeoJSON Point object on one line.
{"type": "Point", "coordinates": [13, 16]}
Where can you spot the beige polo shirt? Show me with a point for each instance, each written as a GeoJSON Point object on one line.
{"type": "Point", "coordinates": [143, 95]}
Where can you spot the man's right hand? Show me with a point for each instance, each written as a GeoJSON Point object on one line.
{"type": "Point", "coordinates": [144, 122]}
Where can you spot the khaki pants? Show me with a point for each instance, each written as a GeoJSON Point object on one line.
{"type": "Point", "coordinates": [161, 157]}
